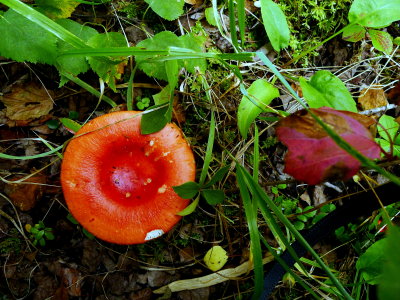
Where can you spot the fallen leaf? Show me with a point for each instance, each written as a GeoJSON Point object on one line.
{"type": "Point", "coordinates": [394, 94]}
{"type": "Point", "coordinates": [195, 3]}
{"type": "Point", "coordinates": [27, 102]}
{"type": "Point", "coordinates": [313, 156]}
{"type": "Point", "coordinates": [372, 97]}
{"type": "Point", "coordinates": [72, 280]}
{"type": "Point", "coordinates": [215, 258]}
{"type": "Point", "coordinates": [24, 195]}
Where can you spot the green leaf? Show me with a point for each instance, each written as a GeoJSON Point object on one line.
{"type": "Point", "coordinates": [195, 43]}
{"type": "Point", "coordinates": [381, 40]}
{"type": "Point", "coordinates": [215, 258]}
{"type": "Point", "coordinates": [190, 208]}
{"type": "Point", "coordinates": [74, 64]}
{"type": "Point", "coordinates": [275, 24]}
{"type": "Point", "coordinates": [353, 33]}
{"type": "Point", "coordinates": [155, 120]}
{"type": "Point", "coordinates": [396, 41]}
{"type": "Point", "coordinates": [217, 177]}
{"type": "Point", "coordinates": [371, 262]}
{"type": "Point", "coordinates": [374, 13]}
{"type": "Point", "coordinates": [387, 147]}
{"type": "Point", "coordinates": [169, 10]}
{"type": "Point", "coordinates": [213, 197]}
{"type": "Point", "coordinates": [57, 9]}
{"type": "Point", "coordinates": [387, 125]}
{"type": "Point", "coordinates": [389, 287]}
{"type": "Point", "coordinates": [107, 70]}
{"type": "Point", "coordinates": [325, 89]}
{"type": "Point", "coordinates": [210, 16]}
{"type": "Point", "coordinates": [187, 190]}
{"type": "Point", "coordinates": [163, 96]}
{"type": "Point", "coordinates": [70, 124]}
{"type": "Point", "coordinates": [160, 41]}
{"type": "Point", "coordinates": [23, 40]}
{"type": "Point", "coordinates": [261, 94]}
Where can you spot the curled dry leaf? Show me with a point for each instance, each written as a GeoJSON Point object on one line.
{"type": "Point", "coordinates": [313, 156]}
{"type": "Point", "coordinates": [27, 102]}
{"type": "Point", "coordinates": [372, 97]}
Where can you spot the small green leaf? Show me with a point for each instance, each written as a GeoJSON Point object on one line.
{"type": "Point", "coordinates": [374, 13]}
{"type": "Point", "coordinates": [325, 89]}
{"type": "Point", "coordinates": [169, 10]}
{"type": "Point", "coordinates": [88, 234]}
{"type": "Point", "coordinates": [218, 176]}
{"type": "Point", "coordinates": [213, 197]}
{"type": "Point", "coordinates": [387, 125]}
{"type": "Point", "coordinates": [299, 225]}
{"type": "Point", "coordinates": [155, 120]}
{"type": "Point", "coordinates": [262, 93]}
{"type": "Point", "coordinates": [381, 40]}
{"type": "Point", "coordinates": [210, 16]}
{"type": "Point", "coordinates": [190, 208]}
{"type": "Point", "coordinates": [275, 24]}
{"type": "Point", "coordinates": [49, 235]}
{"type": "Point", "coordinates": [72, 219]}
{"type": "Point", "coordinates": [195, 43]}
{"type": "Point", "coordinates": [370, 263]}
{"type": "Point", "coordinates": [53, 124]}
{"type": "Point", "coordinates": [70, 124]}
{"type": "Point", "coordinates": [311, 213]}
{"type": "Point", "coordinates": [396, 41]}
{"type": "Point", "coordinates": [389, 287]}
{"type": "Point", "coordinates": [354, 33]}
{"type": "Point", "coordinates": [187, 190]}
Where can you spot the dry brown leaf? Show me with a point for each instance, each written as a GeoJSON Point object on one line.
{"type": "Point", "coordinates": [209, 280]}
{"type": "Point", "coordinates": [27, 101]}
{"type": "Point", "coordinates": [195, 3]}
{"type": "Point", "coordinates": [372, 97]}
{"type": "Point", "coordinates": [24, 195]}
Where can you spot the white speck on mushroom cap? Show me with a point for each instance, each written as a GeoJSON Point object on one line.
{"type": "Point", "coordinates": [127, 195]}
{"type": "Point", "coordinates": [154, 234]}
{"type": "Point", "coordinates": [162, 189]}
{"type": "Point", "coordinates": [147, 181]}
{"type": "Point", "coordinates": [151, 143]}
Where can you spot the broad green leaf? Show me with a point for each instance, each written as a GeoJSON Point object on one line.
{"type": "Point", "coordinates": [70, 124]}
{"type": "Point", "coordinates": [155, 120]}
{"type": "Point", "coordinates": [325, 89]}
{"type": "Point", "coordinates": [187, 190]}
{"type": "Point", "coordinates": [215, 258]}
{"type": "Point", "coordinates": [261, 93]}
{"type": "Point", "coordinates": [57, 9]}
{"type": "Point", "coordinates": [388, 147]}
{"type": "Point", "coordinates": [381, 40]}
{"type": "Point", "coordinates": [163, 96]}
{"type": "Point", "coordinates": [374, 13]}
{"type": "Point", "coordinates": [389, 287]}
{"type": "Point", "coordinates": [169, 10]}
{"type": "Point", "coordinates": [210, 16]}
{"type": "Point", "coordinates": [387, 125]}
{"type": "Point", "coordinates": [23, 40]}
{"type": "Point", "coordinates": [108, 71]}
{"type": "Point", "coordinates": [354, 33]}
{"type": "Point", "coordinates": [213, 197]}
{"type": "Point", "coordinates": [73, 64]}
{"type": "Point", "coordinates": [195, 43]}
{"type": "Point", "coordinates": [275, 24]}
{"type": "Point", "coordinates": [160, 41]}
{"type": "Point", "coordinates": [371, 262]}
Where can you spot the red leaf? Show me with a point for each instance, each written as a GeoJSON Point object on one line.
{"type": "Point", "coordinates": [313, 156]}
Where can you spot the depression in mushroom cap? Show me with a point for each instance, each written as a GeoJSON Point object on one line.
{"type": "Point", "coordinates": [118, 183]}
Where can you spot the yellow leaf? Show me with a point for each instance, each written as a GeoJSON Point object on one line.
{"type": "Point", "coordinates": [215, 258]}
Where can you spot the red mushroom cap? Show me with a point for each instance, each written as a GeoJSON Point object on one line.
{"type": "Point", "coordinates": [118, 183]}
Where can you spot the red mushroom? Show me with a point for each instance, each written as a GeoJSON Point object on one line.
{"type": "Point", "coordinates": [118, 183]}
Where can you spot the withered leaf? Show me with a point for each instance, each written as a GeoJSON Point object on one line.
{"type": "Point", "coordinates": [372, 97]}
{"type": "Point", "coordinates": [27, 101]}
{"type": "Point", "coordinates": [313, 156]}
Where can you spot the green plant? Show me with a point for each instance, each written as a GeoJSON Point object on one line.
{"type": "Point", "coordinates": [142, 103]}
{"type": "Point", "coordinates": [40, 233]}
{"type": "Point", "coordinates": [389, 138]}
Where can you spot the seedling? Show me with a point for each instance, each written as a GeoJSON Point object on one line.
{"type": "Point", "coordinates": [40, 233]}
{"type": "Point", "coordinates": [142, 103]}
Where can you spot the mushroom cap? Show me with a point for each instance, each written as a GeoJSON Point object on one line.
{"type": "Point", "coordinates": [118, 183]}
